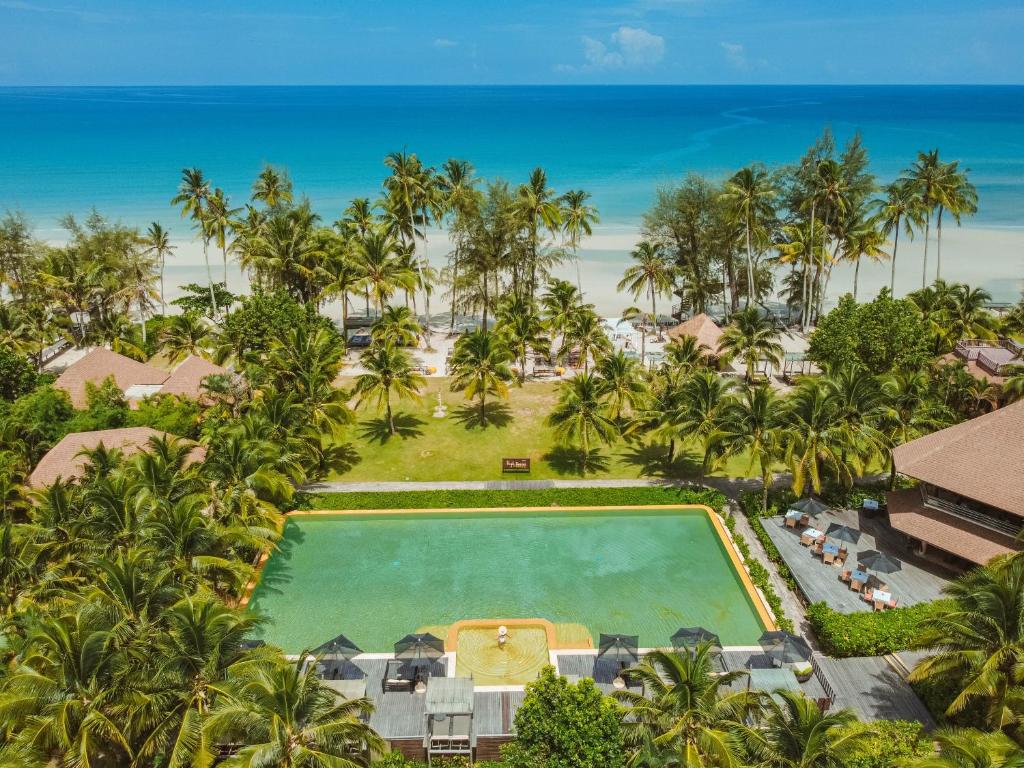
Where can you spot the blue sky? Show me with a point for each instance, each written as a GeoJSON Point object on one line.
{"type": "Point", "coordinates": [52, 42]}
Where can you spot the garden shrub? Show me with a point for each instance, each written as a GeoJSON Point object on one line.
{"type": "Point", "coordinates": [889, 743]}
{"type": "Point", "coordinates": [565, 725]}
{"type": "Point", "coordinates": [867, 633]}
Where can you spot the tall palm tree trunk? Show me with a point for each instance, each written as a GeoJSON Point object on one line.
{"type": "Point", "coordinates": [856, 275]}
{"type": "Point", "coordinates": [924, 264]}
{"type": "Point", "coordinates": [163, 306]}
{"type": "Point", "coordinates": [750, 268]}
{"type": "Point", "coordinates": [892, 272]}
{"type": "Point", "coordinates": [938, 245]}
{"type": "Point", "coordinates": [391, 416]}
{"type": "Point", "coordinates": [804, 299]}
{"type": "Point", "coordinates": [209, 275]}
{"type": "Point", "coordinates": [224, 256]}
{"type": "Point", "coordinates": [654, 313]}
{"type": "Point", "coordinates": [455, 288]}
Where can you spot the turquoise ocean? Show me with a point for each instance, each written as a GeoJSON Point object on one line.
{"type": "Point", "coordinates": [121, 150]}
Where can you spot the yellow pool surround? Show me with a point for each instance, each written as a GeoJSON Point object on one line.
{"type": "Point", "coordinates": [451, 641]}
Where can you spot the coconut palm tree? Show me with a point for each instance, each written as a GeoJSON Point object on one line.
{"type": "Point", "coordinates": [966, 315]}
{"type": "Point", "coordinates": [899, 206]}
{"type": "Point", "coordinates": [924, 177]}
{"type": "Point", "coordinates": [538, 207]}
{"type": "Point", "coordinates": [970, 748]}
{"type": "Point", "coordinates": [272, 187]}
{"type": "Point", "coordinates": [388, 372]}
{"type": "Point", "coordinates": [397, 325]}
{"type": "Point", "coordinates": [184, 335]}
{"type": "Point", "coordinates": [976, 638]}
{"type": "Point", "coordinates": [480, 367]}
{"type": "Point", "coordinates": [751, 336]}
{"type": "Point", "coordinates": [1013, 387]}
{"type": "Point", "coordinates": [137, 276]}
{"type": "Point", "coordinates": [621, 384]}
{"type": "Point", "coordinates": [687, 708]}
{"type": "Point", "coordinates": [908, 412]}
{"type": "Point", "coordinates": [219, 220]}
{"type": "Point", "coordinates": [287, 718]}
{"type": "Point", "coordinates": [953, 193]}
{"type": "Point", "coordinates": [522, 329]}
{"type": "Point", "coordinates": [377, 258]}
{"type": "Point", "coordinates": [578, 216]}
{"type": "Point", "coordinates": [585, 335]}
{"type": "Point", "coordinates": [748, 197]}
{"type": "Point", "coordinates": [796, 733]}
{"type": "Point", "coordinates": [706, 412]}
{"type": "Point", "coordinates": [158, 245]}
{"type": "Point", "coordinates": [461, 198]}
{"type": "Point", "coordinates": [817, 440]}
{"type": "Point", "coordinates": [651, 275]}
{"type": "Point", "coordinates": [863, 240]}
{"type": "Point", "coordinates": [686, 353]}
{"type": "Point", "coordinates": [193, 197]}
{"type": "Point", "coordinates": [559, 305]}
{"type": "Point", "coordinates": [581, 416]}
{"type": "Point", "coordinates": [759, 431]}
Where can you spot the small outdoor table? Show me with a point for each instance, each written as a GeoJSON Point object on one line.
{"type": "Point", "coordinates": [881, 597]}
{"type": "Point", "coordinates": [813, 533]}
{"type": "Point", "coordinates": [832, 549]}
{"type": "Point", "coordinates": [858, 579]}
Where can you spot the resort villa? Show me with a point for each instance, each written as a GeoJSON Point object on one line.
{"type": "Point", "coordinates": [66, 460]}
{"type": "Point", "coordinates": [987, 359]}
{"type": "Point", "coordinates": [136, 380]}
{"type": "Point", "coordinates": [968, 506]}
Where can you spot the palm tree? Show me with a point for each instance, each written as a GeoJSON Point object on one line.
{"type": "Point", "coordinates": [965, 313]}
{"type": "Point", "coordinates": [458, 188]}
{"type": "Point", "coordinates": [137, 279]}
{"type": "Point", "coordinates": [908, 412]}
{"type": "Point", "coordinates": [158, 244]}
{"type": "Point", "coordinates": [480, 367]}
{"type": "Point", "coordinates": [900, 205]}
{"type": "Point", "coordinates": [748, 197]}
{"type": "Point", "coordinates": [560, 304]}
{"type": "Point", "coordinates": [1013, 387]}
{"type": "Point", "coordinates": [184, 335]}
{"type": "Point", "coordinates": [580, 415]}
{"type": "Point", "coordinates": [817, 438]}
{"type": "Point", "coordinates": [397, 325]}
{"type": "Point", "coordinates": [923, 177]}
{"type": "Point", "coordinates": [751, 336]}
{"type": "Point", "coordinates": [621, 383]}
{"type": "Point", "coordinates": [970, 748]}
{"type": "Point", "coordinates": [652, 274]}
{"type": "Point", "coordinates": [687, 709]}
{"type": "Point", "coordinates": [377, 258]}
{"type": "Point", "coordinates": [687, 354]}
{"type": "Point", "coordinates": [219, 218]}
{"type": "Point", "coordinates": [863, 240]}
{"type": "Point", "coordinates": [587, 336]}
{"type": "Point", "coordinates": [287, 718]}
{"type": "Point", "coordinates": [519, 324]}
{"type": "Point", "coordinates": [193, 196]}
{"type": "Point", "coordinates": [272, 187]}
{"type": "Point", "coordinates": [388, 371]}
{"type": "Point", "coordinates": [577, 219]}
{"type": "Point", "coordinates": [539, 208]}
{"type": "Point", "coordinates": [759, 432]}
{"type": "Point", "coordinates": [797, 734]}
{"type": "Point", "coordinates": [976, 638]}
{"type": "Point", "coordinates": [705, 411]}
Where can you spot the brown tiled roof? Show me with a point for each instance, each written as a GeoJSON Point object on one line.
{"type": "Point", "coordinates": [96, 366]}
{"type": "Point", "coordinates": [701, 327]}
{"type": "Point", "coordinates": [63, 460]}
{"type": "Point", "coordinates": [982, 459]}
{"type": "Point", "coordinates": [186, 380]}
{"type": "Point", "coordinates": [947, 532]}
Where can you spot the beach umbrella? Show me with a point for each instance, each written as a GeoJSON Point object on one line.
{"type": "Point", "coordinates": [339, 647]}
{"type": "Point", "coordinates": [879, 561]}
{"type": "Point", "coordinates": [843, 533]}
{"type": "Point", "coordinates": [691, 637]}
{"type": "Point", "coordinates": [622, 648]}
{"type": "Point", "coordinates": [248, 645]}
{"type": "Point", "coordinates": [419, 649]}
{"type": "Point", "coordinates": [810, 506]}
{"type": "Point", "coordinates": [785, 647]}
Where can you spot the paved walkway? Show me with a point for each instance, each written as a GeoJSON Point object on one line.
{"type": "Point", "coordinates": [730, 487]}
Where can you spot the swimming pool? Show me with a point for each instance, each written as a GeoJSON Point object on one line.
{"type": "Point", "coordinates": [377, 576]}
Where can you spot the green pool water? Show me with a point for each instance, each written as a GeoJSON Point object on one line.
{"type": "Point", "coordinates": [376, 578]}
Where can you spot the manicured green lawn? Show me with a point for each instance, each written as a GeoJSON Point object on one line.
{"type": "Point", "coordinates": [460, 448]}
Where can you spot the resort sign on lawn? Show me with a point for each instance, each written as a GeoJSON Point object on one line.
{"type": "Point", "coordinates": [515, 465]}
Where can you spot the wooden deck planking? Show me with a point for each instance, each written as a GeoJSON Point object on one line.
{"type": "Point", "coordinates": [820, 582]}
{"type": "Point", "coordinates": [874, 690]}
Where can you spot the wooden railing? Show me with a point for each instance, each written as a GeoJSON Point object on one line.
{"type": "Point", "coordinates": [819, 675]}
{"type": "Point", "coordinates": [972, 515]}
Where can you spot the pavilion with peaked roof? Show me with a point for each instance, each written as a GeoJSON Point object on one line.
{"type": "Point", "coordinates": [968, 506]}
{"type": "Point", "coordinates": [65, 459]}
{"type": "Point", "coordinates": [703, 329]}
{"type": "Point", "coordinates": [136, 380]}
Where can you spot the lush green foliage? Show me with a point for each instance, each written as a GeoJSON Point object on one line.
{"type": "Point", "coordinates": [251, 329]}
{"type": "Point", "coordinates": [886, 743]}
{"type": "Point", "coordinates": [869, 633]}
{"type": "Point", "coordinates": [17, 374]}
{"type": "Point", "coordinates": [196, 299]}
{"type": "Point", "coordinates": [883, 335]}
{"type": "Point", "coordinates": [565, 725]}
{"type": "Point", "coordinates": [760, 576]}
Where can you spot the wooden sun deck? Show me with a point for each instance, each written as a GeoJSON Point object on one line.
{"type": "Point", "coordinates": [917, 582]}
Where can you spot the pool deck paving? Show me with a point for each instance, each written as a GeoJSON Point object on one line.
{"type": "Point", "coordinates": [916, 582]}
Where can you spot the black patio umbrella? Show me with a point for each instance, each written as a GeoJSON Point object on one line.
{"type": "Point", "coordinates": [785, 647]}
{"type": "Point", "coordinates": [879, 561]}
{"type": "Point", "coordinates": [843, 533]}
{"type": "Point", "coordinates": [419, 649]}
{"type": "Point", "coordinates": [690, 637]}
{"type": "Point", "coordinates": [249, 645]}
{"type": "Point", "coordinates": [339, 647]}
{"type": "Point", "coordinates": [622, 648]}
{"type": "Point", "coordinates": [810, 506]}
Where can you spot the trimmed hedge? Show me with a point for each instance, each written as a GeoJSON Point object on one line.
{"type": "Point", "coordinates": [760, 576]}
{"type": "Point", "coordinates": [867, 633]}
{"type": "Point", "coordinates": [542, 497]}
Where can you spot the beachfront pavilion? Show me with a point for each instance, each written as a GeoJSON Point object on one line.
{"type": "Point", "coordinates": [917, 581]}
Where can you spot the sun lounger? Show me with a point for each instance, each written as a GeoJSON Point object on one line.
{"type": "Point", "coordinates": [398, 676]}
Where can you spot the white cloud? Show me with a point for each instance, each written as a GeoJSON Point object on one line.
{"type": "Point", "coordinates": [736, 54]}
{"type": "Point", "coordinates": [628, 48]}
{"type": "Point", "coordinates": [444, 42]}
